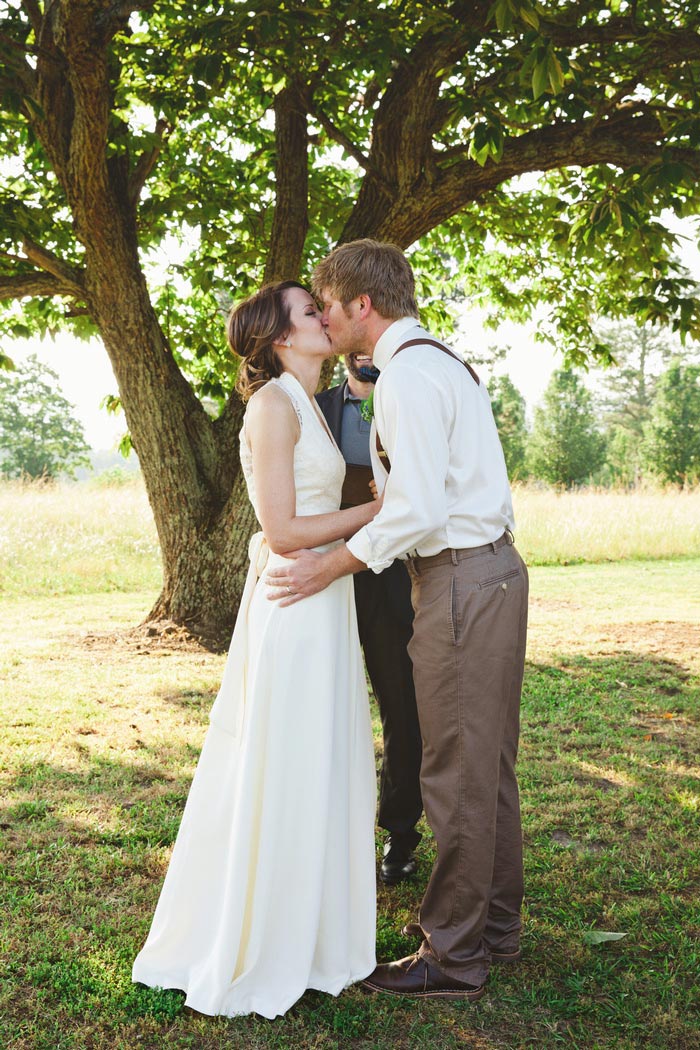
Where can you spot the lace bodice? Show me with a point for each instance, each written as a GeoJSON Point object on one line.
{"type": "Point", "coordinates": [319, 468]}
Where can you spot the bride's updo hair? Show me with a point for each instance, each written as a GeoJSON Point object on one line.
{"type": "Point", "coordinates": [253, 326]}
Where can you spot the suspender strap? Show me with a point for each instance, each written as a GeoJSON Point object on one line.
{"type": "Point", "coordinates": [434, 342]}
{"type": "Point", "coordinates": [423, 342]}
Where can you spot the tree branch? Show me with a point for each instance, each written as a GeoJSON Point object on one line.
{"type": "Point", "coordinates": [37, 284]}
{"type": "Point", "coordinates": [339, 136]}
{"type": "Point", "coordinates": [22, 74]}
{"type": "Point", "coordinates": [618, 30]}
{"type": "Point", "coordinates": [146, 163]}
{"type": "Point", "coordinates": [69, 277]}
{"type": "Point", "coordinates": [291, 218]}
{"type": "Point", "coordinates": [33, 12]}
{"type": "Point", "coordinates": [625, 141]}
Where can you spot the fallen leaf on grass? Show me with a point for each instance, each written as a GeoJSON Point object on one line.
{"type": "Point", "coordinates": [601, 936]}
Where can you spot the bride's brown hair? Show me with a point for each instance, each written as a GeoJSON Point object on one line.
{"type": "Point", "coordinates": [253, 326]}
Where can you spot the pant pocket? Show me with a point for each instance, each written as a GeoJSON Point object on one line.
{"type": "Point", "coordinates": [453, 611]}
{"type": "Point", "coordinates": [493, 580]}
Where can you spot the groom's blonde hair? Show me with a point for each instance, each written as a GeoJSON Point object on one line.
{"type": "Point", "coordinates": [372, 268]}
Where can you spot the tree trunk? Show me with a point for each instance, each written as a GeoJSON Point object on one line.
{"type": "Point", "coordinates": [190, 463]}
{"type": "Point", "coordinates": [203, 579]}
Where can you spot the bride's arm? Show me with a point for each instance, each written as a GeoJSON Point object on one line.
{"type": "Point", "coordinates": [272, 431]}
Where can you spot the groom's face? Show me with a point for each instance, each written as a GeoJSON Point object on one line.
{"type": "Point", "coordinates": [342, 323]}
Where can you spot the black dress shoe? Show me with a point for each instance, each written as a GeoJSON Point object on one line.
{"type": "Point", "coordinates": [413, 929]}
{"type": "Point", "coordinates": [417, 977]}
{"type": "Point", "coordinates": [398, 863]}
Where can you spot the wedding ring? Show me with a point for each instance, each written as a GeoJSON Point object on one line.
{"type": "Point", "coordinates": [289, 589]}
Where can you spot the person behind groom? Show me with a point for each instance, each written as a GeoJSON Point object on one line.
{"type": "Point", "coordinates": [385, 624]}
{"type": "Point", "coordinates": [447, 506]}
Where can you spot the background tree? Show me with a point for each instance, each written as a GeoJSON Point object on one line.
{"type": "Point", "coordinates": [509, 411]}
{"type": "Point", "coordinates": [624, 391]}
{"type": "Point", "coordinates": [565, 447]}
{"type": "Point", "coordinates": [162, 159]}
{"type": "Point", "coordinates": [39, 436]}
{"type": "Point", "coordinates": [672, 446]}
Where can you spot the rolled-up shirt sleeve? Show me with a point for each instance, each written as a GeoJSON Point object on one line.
{"type": "Point", "coordinates": [409, 411]}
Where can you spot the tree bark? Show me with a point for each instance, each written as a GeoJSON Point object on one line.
{"type": "Point", "coordinates": [190, 463]}
{"type": "Point", "coordinates": [291, 219]}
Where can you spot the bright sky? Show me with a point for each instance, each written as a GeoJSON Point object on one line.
{"type": "Point", "coordinates": [86, 375]}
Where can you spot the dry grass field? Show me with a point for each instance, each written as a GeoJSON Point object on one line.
{"type": "Point", "coordinates": [90, 538]}
{"type": "Point", "coordinates": [598, 525]}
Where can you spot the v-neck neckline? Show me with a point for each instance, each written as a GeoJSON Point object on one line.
{"type": "Point", "coordinates": [317, 412]}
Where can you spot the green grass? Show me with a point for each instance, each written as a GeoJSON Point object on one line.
{"type": "Point", "coordinates": [100, 735]}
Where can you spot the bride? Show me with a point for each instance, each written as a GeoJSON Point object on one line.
{"type": "Point", "coordinates": [271, 884]}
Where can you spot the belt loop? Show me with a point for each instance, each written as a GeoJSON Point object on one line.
{"type": "Point", "coordinates": [412, 564]}
{"type": "Point", "coordinates": [494, 548]}
{"type": "Point", "coordinates": [453, 555]}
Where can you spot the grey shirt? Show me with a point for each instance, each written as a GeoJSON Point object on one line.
{"type": "Point", "coordinates": [354, 433]}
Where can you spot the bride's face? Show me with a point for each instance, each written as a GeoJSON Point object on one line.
{"type": "Point", "coordinates": [306, 333]}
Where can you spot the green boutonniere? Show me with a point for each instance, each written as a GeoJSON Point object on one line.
{"type": "Point", "coordinates": [367, 408]}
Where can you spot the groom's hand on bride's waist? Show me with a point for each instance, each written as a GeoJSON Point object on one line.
{"type": "Point", "coordinates": [309, 572]}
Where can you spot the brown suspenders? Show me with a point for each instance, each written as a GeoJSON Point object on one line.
{"type": "Point", "coordinates": [434, 342]}
{"type": "Point", "coordinates": [423, 342]}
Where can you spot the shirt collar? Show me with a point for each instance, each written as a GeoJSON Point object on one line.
{"type": "Point", "coordinates": [390, 340]}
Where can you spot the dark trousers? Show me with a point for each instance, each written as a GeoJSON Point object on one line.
{"type": "Point", "coordinates": [468, 651]}
{"type": "Point", "coordinates": [385, 622]}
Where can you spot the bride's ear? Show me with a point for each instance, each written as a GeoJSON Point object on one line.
{"type": "Point", "coordinates": [283, 342]}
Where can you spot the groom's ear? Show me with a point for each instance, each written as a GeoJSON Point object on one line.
{"type": "Point", "coordinates": [365, 304]}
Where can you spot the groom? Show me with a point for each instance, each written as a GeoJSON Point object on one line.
{"type": "Point", "coordinates": [447, 509]}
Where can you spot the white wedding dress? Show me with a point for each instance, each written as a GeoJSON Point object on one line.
{"type": "Point", "coordinates": [271, 885]}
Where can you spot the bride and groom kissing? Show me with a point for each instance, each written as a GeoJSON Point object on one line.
{"type": "Point", "coordinates": [271, 886]}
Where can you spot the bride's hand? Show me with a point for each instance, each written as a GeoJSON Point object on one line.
{"type": "Point", "coordinates": [378, 499]}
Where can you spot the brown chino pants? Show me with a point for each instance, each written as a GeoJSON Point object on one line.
{"type": "Point", "coordinates": [468, 653]}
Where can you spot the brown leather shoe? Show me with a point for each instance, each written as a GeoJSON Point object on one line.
{"type": "Point", "coordinates": [413, 929]}
{"type": "Point", "coordinates": [417, 977]}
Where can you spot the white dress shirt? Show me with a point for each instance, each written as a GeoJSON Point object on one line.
{"type": "Point", "coordinates": [448, 485]}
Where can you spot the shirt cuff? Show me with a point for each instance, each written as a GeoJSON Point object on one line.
{"type": "Point", "coordinates": [360, 546]}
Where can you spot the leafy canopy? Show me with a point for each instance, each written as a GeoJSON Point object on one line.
{"type": "Point", "coordinates": [525, 152]}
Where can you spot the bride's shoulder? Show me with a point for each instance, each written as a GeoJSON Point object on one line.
{"type": "Point", "coordinates": [272, 402]}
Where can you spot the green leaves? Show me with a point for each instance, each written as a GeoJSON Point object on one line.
{"type": "Point", "coordinates": [39, 436]}
{"type": "Point", "coordinates": [544, 69]}
{"type": "Point", "coordinates": [507, 13]}
{"type": "Point", "coordinates": [582, 240]}
{"type": "Point", "coordinates": [487, 142]}
{"type": "Point", "coordinates": [672, 434]}
{"type": "Point", "coordinates": [566, 448]}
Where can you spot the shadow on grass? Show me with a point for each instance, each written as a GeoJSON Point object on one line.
{"type": "Point", "coordinates": [610, 787]}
